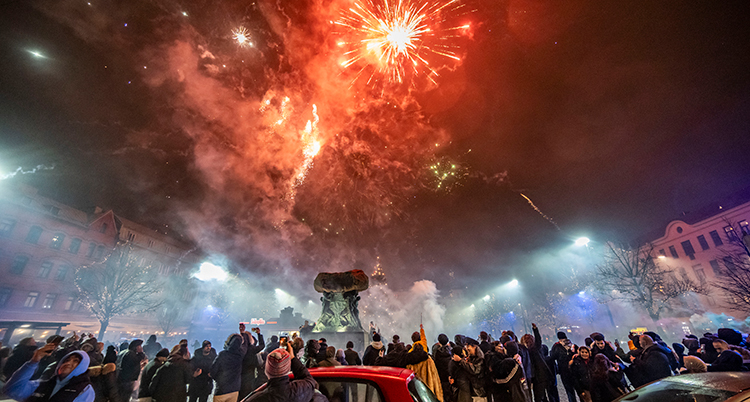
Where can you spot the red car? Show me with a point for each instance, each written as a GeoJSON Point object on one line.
{"type": "Point", "coordinates": [370, 384]}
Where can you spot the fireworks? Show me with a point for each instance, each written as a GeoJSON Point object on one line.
{"type": "Point", "coordinates": [311, 148]}
{"type": "Point", "coordinates": [446, 174]}
{"type": "Point", "coordinates": [242, 36]}
{"type": "Point", "coordinates": [398, 37]}
{"type": "Point", "coordinates": [539, 211]}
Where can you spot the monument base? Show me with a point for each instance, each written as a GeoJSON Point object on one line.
{"type": "Point", "coordinates": [361, 339]}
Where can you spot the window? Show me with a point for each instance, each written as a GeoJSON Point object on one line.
{"type": "Point", "coordinates": [6, 226]}
{"type": "Point", "coordinates": [729, 231]}
{"type": "Point", "coordinates": [419, 391]}
{"type": "Point", "coordinates": [45, 269]}
{"type": "Point", "coordinates": [744, 228]}
{"type": "Point", "coordinates": [167, 249]}
{"type": "Point", "coordinates": [662, 253]}
{"type": "Point", "coordinates": [62, 271]}
{"type": "Point", "coordinates": [92, 248]}
{"type": "Point", "coordinates": [150, 243]}
{"type": "Point", "coordinates": [131, 236]}
{"type": "Point", "coordinates": [5, 296]}
{"type": "Point", "coordinates": [54, 210]}
{"type": "Point", "coordinates": [715, 237]}
{"type": "Point", "coordinates": [100, 252]}
{"type": "Point", "coordinates": [31, 299]}
{"type": "Point", "coordinates": [103, 228]}
{"type": "Point", "coordinates": [688, 248]}
{"type": "Point", "coordinates": [673, 251]}
{"type": "Point", "coordinates": [19, 263]}
{"type": "Point", "coordinates": [702, 241]}
{"type": "Point", "coordinates": [699, 273]}
{"type": "Point", "coordinates": [352, 390]}
{"type": "Point", "coordinates": [715, 267]}
{"type": "Point", "coordinates": [49, 300]}
{"type": "Point", "coordinates": [57, 241]}
{"type": "Point", "coordinates": [34, 233]}
{"type": "Point", "coordinates": [75, 245]}
{"type": "Point", "coordinates": [69, 303]}
{"type": "Point", "coordinates": [728, 263]}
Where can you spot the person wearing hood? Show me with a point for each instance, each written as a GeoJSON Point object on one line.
{"type": "Point", "coordinates": [273, 345]}
{"type": "Point", "coordinates": [129, 366]}
{"type": "Point", "coordinates": [227, 369]}
{"type": "Point", "coordinates": [279, 387]}
{"type": "Point", "coordinates": [441, 352]}
{"type": "Point", "coordinates": [351, 355]}
{"type": "Point", "coordinates": [69, 384]}
{"type": "Point", "coordinates": [151, 347]}
{"type": "Point", "coordinates": [652, 364]}
{"type": "Point", "coordinates": [562, 352]}
{"type": "Point", "coordinates": [252, 366]}
{"type": "Point", "coordinates": [692, 345]}
{"type": "Point", "coordinates": [20, 355]}
{"type": "Point", "coordinates": [169, 384]}
{"type": "Point", "coordinates": [144, 393]}
{"type": "Point", "coordinates": [728, 359]}
{"type": "Point", "coordinates": [202, 385]}
{"type": "Point", "coordinates": [46, 368]}
{"type": "Point", "coordinates": [373, 351]}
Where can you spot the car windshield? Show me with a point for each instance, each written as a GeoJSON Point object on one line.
{"type": "Point", "coordinates": [664, 391]}
{"type": "Point", "coordinates": [419, 391]}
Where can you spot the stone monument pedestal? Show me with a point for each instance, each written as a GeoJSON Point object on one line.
{"type": "Point", "coordinates": [361, 339]}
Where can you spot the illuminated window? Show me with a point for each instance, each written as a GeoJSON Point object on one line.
{"type": "Point", "coordinates": [57, 241]}
{"type": "Point", "coordinates": [729, 231]}
{"type": "Point", "coordinates": [744, 228]}
{"type": "Point", "coordinates": [31, 299]}
{"type": "Point", "coordinates": [45, 269]}
{"type": "Point", "coordinates": [34, 233]}
{"type": "Point", "coordinates": [75, 245]}
{"type": "Point", "coordinates": [702, 241]}
{"type": "Point", "coordinates": [662, 253]}
{"type": "Point", "coordinates": [673, 251]}
{"type": "Point", "coordinates": [49, 300]}
{"type": "Point", "coordinates": [19, 263]}
{"type": "Point", "coordinates": [715, 237]}
{"type": "Point", "coordinates": [6, 226]}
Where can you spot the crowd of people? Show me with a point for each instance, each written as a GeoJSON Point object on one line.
{"type": "Point", "coordinates": [79, 369]}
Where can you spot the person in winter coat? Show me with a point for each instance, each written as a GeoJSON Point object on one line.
{"type": "Point", "coordinates": [580, 369]}
{"type": "Point", "coordinates": [652, 364]}
{"type": "Point", "coordinates": [279, 387]}
{"type": "Point", "coordinates": [674, 363]}
{"type": "Point", "coordinates": [69, 384]}
{"type": "Point", "coordinates": [311, 353]}
{"type": "Point", "coordinates": [273, 345]}
{"type": "Point", "coordinates": [474, 366]}
{"type": "Point", "coordinates": [330, 360]}
{"type": "Point", "coordinates": [484, 342]}
{"type": "Point", "coordinates": [144, 393]}
{"type": "Point", "coordinates": [171, 380]}
{"type": "Point", "coordinates": [606, 380]}
{"type": "Point", "coordinates": [104, 381]}
{"type": "Point", "coordinates": [20, 355]}
{"type": "Point", "coordinates": [250, 364]}
{"type": "Point", "coordinates": [227, 369]}
{"type": "Point", "coordinates": [151, 347]}
{"type": "Point", "coordinates": [600, 345]}
{"type": "Point", "coordinates": [562, 352]}
{"type": "Point", "coordinates": [372, 351]}
{"type": "Point", "coordinates": [129, 366]}
{"type": "Point", "coordinates": [202, 385]}
{"type": "Point", "coordinates": [542, 378]}
{"type": "Point", "coordinates": [507, 377]}
{"type": "Point", "coordinates": [441, 353]}
{"type": "Point", "coordinates": [425, 370]}
{"type": "Point", "coordinates": [351, 355]}
{"type": "Point", "coordinates": [458, 377]}
{"type": "Point", "coordinates": [400, 357]}
{"type": "Point", "coordinates": [341, 357]}
{"type": "Point", "coordinates": [728, 359]}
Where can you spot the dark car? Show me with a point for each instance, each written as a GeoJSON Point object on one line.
{"type": "Point", "coordinates": [703, 387]}
{"type": "Point", "coordinates": [370, 384]}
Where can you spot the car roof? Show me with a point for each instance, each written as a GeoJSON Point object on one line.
{"type": "Point", "coordinates": [359, 371]}
{"type": "Point", "coordinates": [728, 381]}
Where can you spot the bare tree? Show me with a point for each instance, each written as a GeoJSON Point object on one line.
{"type": "Point", "coordinates": [734, 278]}
{"type": "Point", "coordinates": [630, 274]}
{"type": "Point", "coordinates": [118, 285]}
{"type": "Point", "coordinates": [177, 292]}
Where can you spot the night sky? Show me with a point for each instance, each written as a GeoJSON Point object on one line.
{"type": "Point", "coordinates": [612, 117]}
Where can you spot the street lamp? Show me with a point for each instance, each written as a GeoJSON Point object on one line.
{"type": "Point", "coordinates": [513, 283]}
{"type": "Point", "coordinates": [208, 271]}
{"type": "Point", "coordinates": [582, 241]}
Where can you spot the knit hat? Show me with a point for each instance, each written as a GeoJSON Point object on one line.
{"type": "Point", "coordinates": [278, 363]}
{"type": "Point", "coordinates": [163, 353]}
{"type": "Point", "coordinates": [443, 339]}
{"type": "Point", "coordinates": [376, 338]}
{"type": "Point", "coordinates": [562, 335]}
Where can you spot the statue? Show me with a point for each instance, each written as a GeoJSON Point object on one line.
{"type": "Point", "coordinates": [340, 300]}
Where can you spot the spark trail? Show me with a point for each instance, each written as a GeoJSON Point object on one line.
{"type": "Point", "coordinates": [20, 170]}
{"type": "Point", "coordinates": [539, 211]}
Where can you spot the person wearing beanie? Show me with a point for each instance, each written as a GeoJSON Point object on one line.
{"type": "Point", "coordinates": [562, 352]}
{"type": "Point", "coordinates": [129, 365]}
{"type": "Point", "coordinates": [442, 354]}
{"type": "Point", "coordinates": [144, 395]}
{"type": "Point", "coordinates": [201, 385]}
{"type": "Point", "coordinates": [279, 387]}
{"type": "Point", "coordinates": [373, 351]}
{"type": "Point", "coordinates": [226, 370]}
{"type": "Point", "coordinates": [352, 357]}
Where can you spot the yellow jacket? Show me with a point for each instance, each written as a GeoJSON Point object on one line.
{"type": "Point", "coordinates": [426, 371]}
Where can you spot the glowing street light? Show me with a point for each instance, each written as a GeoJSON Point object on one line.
{"type": "Point", "coordinates": [582, 241]}
{"type": "Point", "coordinates": [209, 271]}
{"type": "Point", "coordinates": [486, 298]}
{"type": "Point", "coordinates": [513, 283]}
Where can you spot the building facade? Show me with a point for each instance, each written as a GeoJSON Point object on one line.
{"type": "Point", "coordinates": [699, 246]}
{"type": "Point", "coordinates": [43, 243]}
